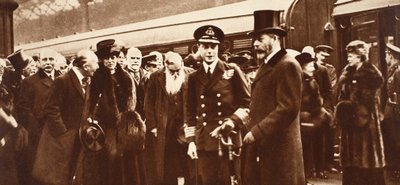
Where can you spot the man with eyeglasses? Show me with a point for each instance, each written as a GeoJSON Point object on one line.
{"type": "Point", "coordinates": [217, 108]}
{"type": "Point", "coordinates": [274, 152]}
{"type": "Point", "coordinates": [30, 105]}
{"type": "Point", "coordinates": [164, 108]}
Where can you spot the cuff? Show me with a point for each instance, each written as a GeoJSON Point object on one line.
{"type": "Point", "coordinates": [241, 116]}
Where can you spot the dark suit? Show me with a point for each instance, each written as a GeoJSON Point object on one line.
{"type": "Point", "coordinates": [65, 111]}
{"type": "Point", "coordinates": [276, 157]}
{"type": "Point", "coordinates": [209, 102]}
{"type": "Point", "coordinates": [35, 92]}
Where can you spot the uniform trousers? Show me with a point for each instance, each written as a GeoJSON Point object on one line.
{"type": "Point", "coordinates": [215, 170]}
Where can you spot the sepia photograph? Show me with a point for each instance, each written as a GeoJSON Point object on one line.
{"type": "Point", "coordinates": [199, 92]}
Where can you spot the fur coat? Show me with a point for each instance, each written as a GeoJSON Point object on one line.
{"type": "Point", "coordinates": [358, 115]}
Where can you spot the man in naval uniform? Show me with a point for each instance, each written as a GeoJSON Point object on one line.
{"type": "Point", "coordinates": [217, 104]}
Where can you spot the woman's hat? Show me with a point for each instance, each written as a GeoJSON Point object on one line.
{"type": "Point", "coordinates": [304, 58]}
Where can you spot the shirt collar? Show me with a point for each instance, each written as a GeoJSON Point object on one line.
{"type": "Point", "coordinates": [274, 51]}
{"type": "Point", "coordinates": [78, 74]}
{"type": "Point", "coordinates": [50, 74]}
{"type": "Point", "coordinates": [212, 66]}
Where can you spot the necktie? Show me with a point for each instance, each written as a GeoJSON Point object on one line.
{"type": "Point", "coordinates": [209, 73]}
{"type": "Point", "coordinates": [136, 76]}
{"type": "Point", "coordinates": [51, 76]}
{"type": "Point", "coordinates": [85, 82]}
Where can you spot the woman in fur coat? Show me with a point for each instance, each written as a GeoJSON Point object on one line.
{"type": "Point", "coordinates": [115, 113]}
{"type": "Point", "coordinates": [358, 115]}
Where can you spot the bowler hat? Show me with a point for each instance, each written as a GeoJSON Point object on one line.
{"type": "Point", "coordinates": [238, 60]}
{"type": "Point", "coordinates": [209, 34]}
{"type": "Point", "coordinates": [304, 58]}
{"type": "Point", "coordinates": [393, 48]}
{"type": "Point", "coordinates": [92, 137]}
{"type": "Point", "coordinates": [267, 21]}
{"type": "Point", "coordinates": [19, 59]}
{"type": "Point", "coordinates": [250, 65]}
{"type": "Point", "coordinates": [148, 60]}
{"type": "Point", "coordinates": [107, 47]}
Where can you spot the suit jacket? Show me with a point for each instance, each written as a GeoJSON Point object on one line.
{"type": "Point", "coordinates": [274, 121]}
{"type": "Point", "coordinates": [157, 110]}
{"type": "Point", "coordinates": [393, 86]}
{"type": "Point", "coordinates": [210, 102]}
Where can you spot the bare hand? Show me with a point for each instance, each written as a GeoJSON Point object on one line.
{"type": "Point", "coordinates": [22, 138]}
{"type": "Point", "coordinates": [249, 138]}
{"type": "Point", "coordinates": [192, 150]}
{"type": "Point", "coordinates": [154, 132]}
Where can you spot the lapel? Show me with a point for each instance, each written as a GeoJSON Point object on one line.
{"type": "Point", "coordinates": [44, 78]}
{"type": "Point", "coordinates": [266, 68]}
{"type": "Point", "coordinates": [76, 83]}
{"type": "Point", "coordinates": [161, 79]}
{"type": "Point", "coordinates": [216, 76]}
{"type": "Point", "coordinates": [202, 76]}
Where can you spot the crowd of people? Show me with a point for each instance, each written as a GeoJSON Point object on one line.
{"type": "Point", "coordinates": [260, 117]}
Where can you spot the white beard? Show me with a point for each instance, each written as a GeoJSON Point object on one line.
{"type": "Point", "coordinates": [174, 83]}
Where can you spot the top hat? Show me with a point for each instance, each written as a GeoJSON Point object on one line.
{"type": "Point", "coordinates": [149, 59]}
{"type": "Point", "coordinates": [304, 58]}
{"type": "Point", "coordinates": [324, 49]}
{"type": "Point", "coordinates": [393, 48]}
{"type": "Point", "coordinates": [19, 59]}
{"type": "Point", "coordinates": [209, 34]}
{"type": "Point", "coordinates": [107, 47]}
{"type": "Point", "coordinates": [267, 21]}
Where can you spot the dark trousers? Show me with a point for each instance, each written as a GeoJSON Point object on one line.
{"type": "Point", "coordinates": [215, 170]}
{"type": "Point", "coordinates": [362, 176]}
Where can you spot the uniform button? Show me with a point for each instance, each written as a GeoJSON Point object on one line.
{"type": "Point", "coordinates": [220, 122]}
{"type": "Point", "coordinates": [219, 113]}
{"type": "Point", "coordinates": [201, 96]}
{"type": "Point", "coordinates": [218, 95]}
{"type": "Point", "coordinates": [219, 103]}
{"type": "Point", "coordinates": [204, 114]}
{"type": "Point", "coordinates": [197, 117]}
{"type": "Point", "coordinates": [202, 105]}
{"type": "Point", "coordinates": [204, 123]}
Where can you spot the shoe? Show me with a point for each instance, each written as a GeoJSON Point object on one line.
{"type": "Point", "coordinates": [308, 183]}
{"type": "Point", "coordinates": [322, 175]}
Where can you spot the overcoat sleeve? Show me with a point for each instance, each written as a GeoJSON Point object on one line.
{"type": "Point", "coordinates": [288, 98]}
{"type": "Point", "coordinates": [149, 102]}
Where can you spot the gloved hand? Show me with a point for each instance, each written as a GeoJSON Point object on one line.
{"type": "Point", "coordinates": [227, 127]}
{"type": "Point", "coordinates": [192, 150]}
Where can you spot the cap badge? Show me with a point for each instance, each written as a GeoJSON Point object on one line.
{"type": "Point", "coordinates": [210, 31]}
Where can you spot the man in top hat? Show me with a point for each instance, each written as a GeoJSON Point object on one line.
{"type": "Point", "coordinates": [65, 111]}
{"type": "Point", "coordinates": [217, 104]}
{"type": "Point", "coordinates": [150, 63]}
{"type": "Point", "coordinates": [390, 125]}
{"type": "Point", "coordinates": [29, 108]}
{"type": "Point", "coordinates": [274, 153]}
{"type": "Point", "coordinates": [13, 79]}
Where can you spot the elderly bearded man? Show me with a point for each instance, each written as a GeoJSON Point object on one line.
{"type": "Point", "coordinates": [164, 108]}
